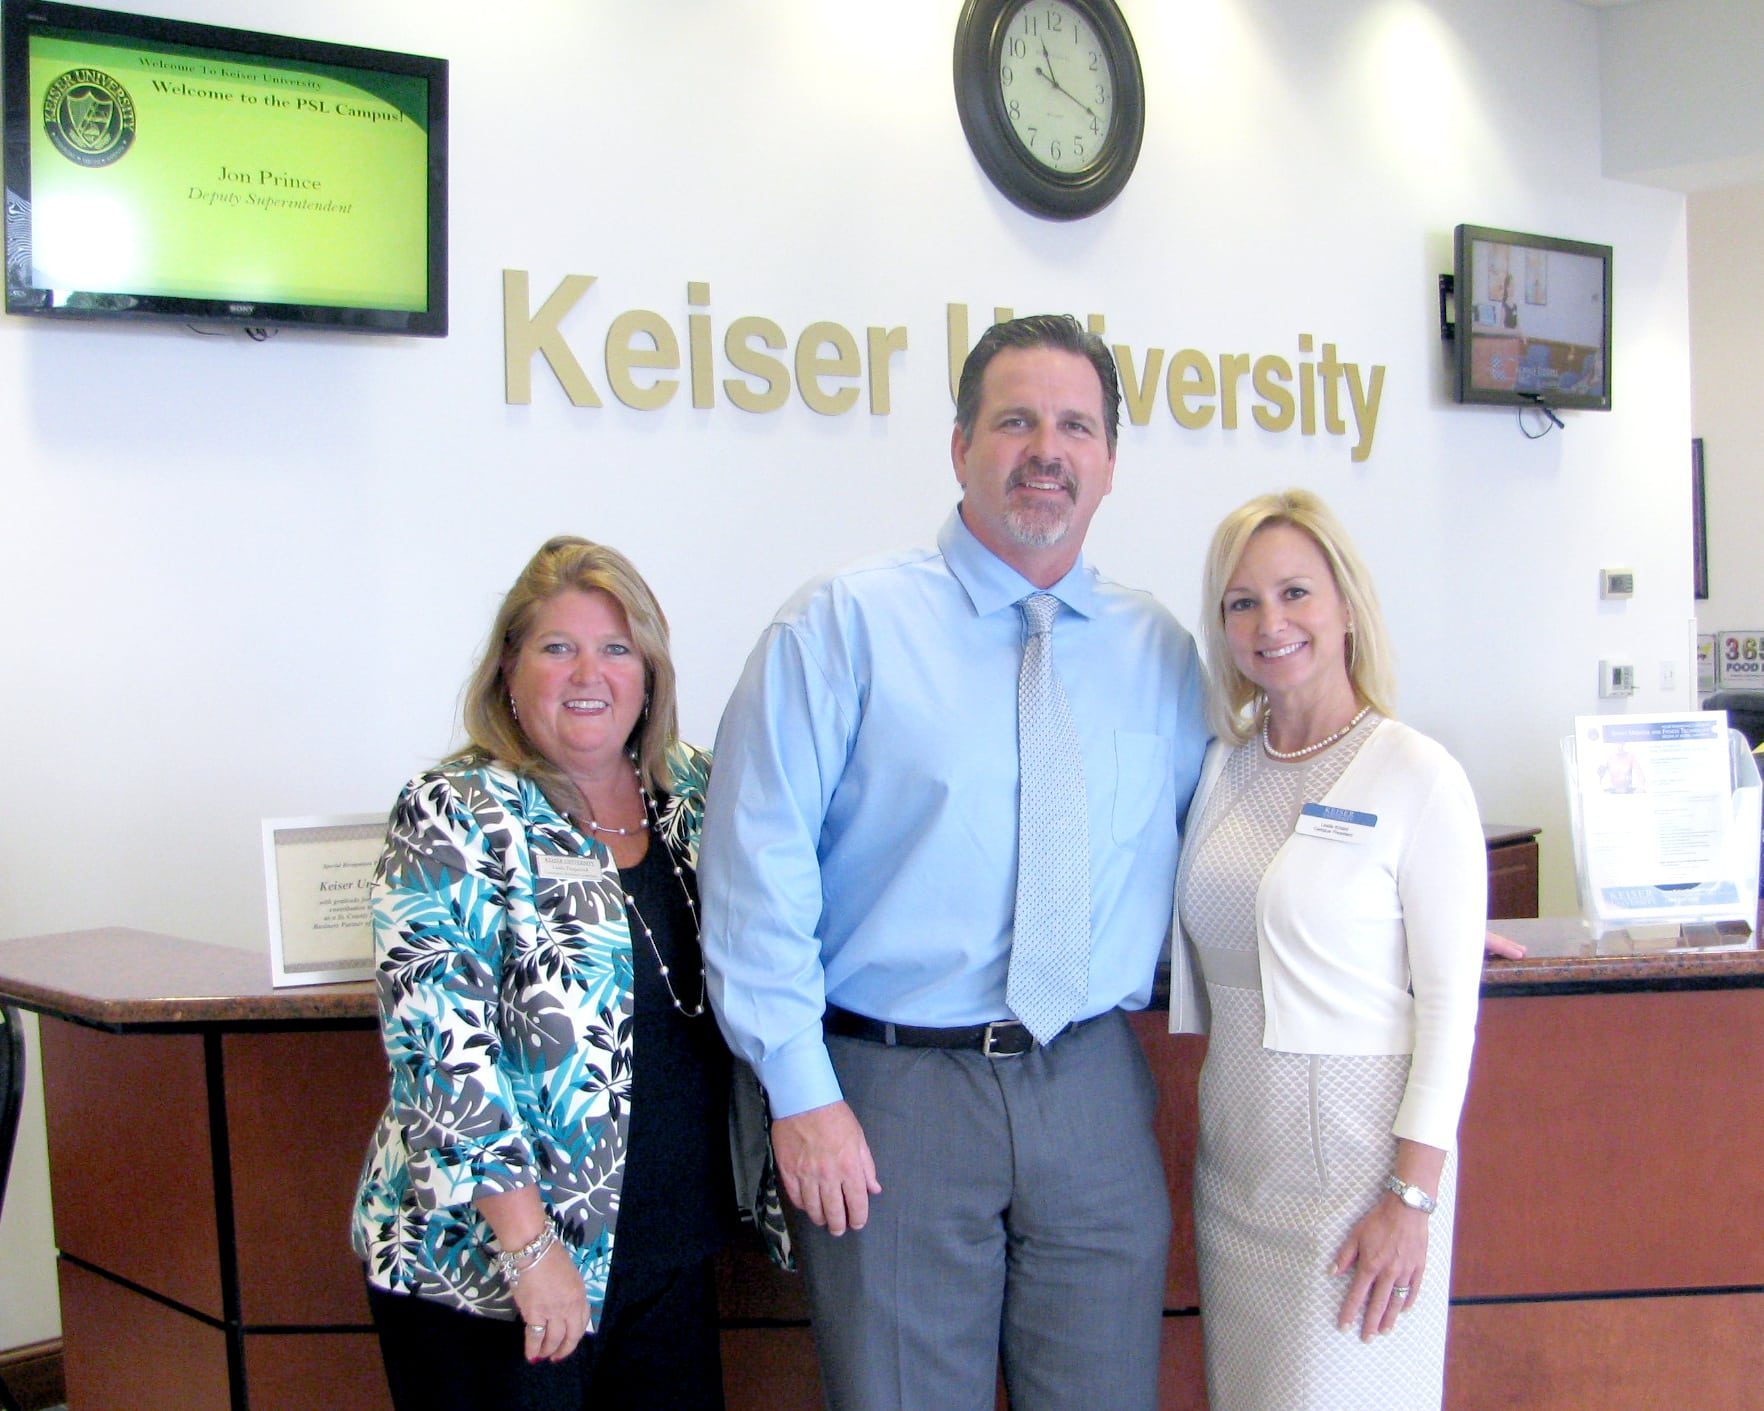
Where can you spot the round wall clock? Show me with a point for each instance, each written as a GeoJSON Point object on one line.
{"type": "Point", "coordinates": [1051, 99]}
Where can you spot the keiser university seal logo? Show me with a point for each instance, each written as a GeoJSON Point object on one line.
{"type": "Point", "coordinates": [89, 117]}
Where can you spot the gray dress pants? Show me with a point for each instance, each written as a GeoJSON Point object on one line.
{"type": "Point", "coordinates": [1023, 1215]}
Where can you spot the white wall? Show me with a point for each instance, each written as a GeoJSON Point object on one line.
{"type": "Point", "coordinates": [1680, 92]}
{"type": "Point", "coordinates": [246, 580]}
{"type": "Point", "coordinates": [1726, 243]}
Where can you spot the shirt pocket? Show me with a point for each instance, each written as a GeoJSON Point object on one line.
{"type": "Point", "coordinates": [1142, 770]}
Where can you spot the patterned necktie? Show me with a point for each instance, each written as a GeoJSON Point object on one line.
{"type": "Point", "coordinates": [1050, 948]}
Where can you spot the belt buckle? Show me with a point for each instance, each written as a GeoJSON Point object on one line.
{"type": "Point", "coordinates": [996, 1029]}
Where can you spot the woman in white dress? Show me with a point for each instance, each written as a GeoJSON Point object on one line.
{"type": "Point", "coordinates": [1332, 897]}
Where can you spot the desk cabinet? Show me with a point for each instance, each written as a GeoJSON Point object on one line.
{"type": "Point", "coordinates": [202, 1189]}
{"type": "Point", "coordinates": [203, 1156]}
{"type": "Point", "coordinates": [1512, 870]}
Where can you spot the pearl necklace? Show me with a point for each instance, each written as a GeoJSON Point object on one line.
{"type": "Point", "coordinates": [1322, 744]}
{"type": "Point", "coordinates": [594, 826]}
{"type": "Point", "coordinates": [685, 891]}
{"type": "Point", "coordinates": [640, 826]}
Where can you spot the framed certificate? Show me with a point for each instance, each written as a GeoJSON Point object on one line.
{"type": "Point", "coordinates": [316, 873]}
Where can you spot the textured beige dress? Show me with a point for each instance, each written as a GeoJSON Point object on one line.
{"type": "Point", "coordinates": [1294, 1148]}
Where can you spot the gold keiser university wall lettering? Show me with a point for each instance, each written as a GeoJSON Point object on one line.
{"type": "Point", "coordinates": [641, 349]}
{"type": "Point", "coordinates": [644, 361]}
{"type": "Point", "coordinates": [1197, 388]}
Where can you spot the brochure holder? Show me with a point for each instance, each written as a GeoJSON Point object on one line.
{"type": "Point", "coordinates": [1661, 848]}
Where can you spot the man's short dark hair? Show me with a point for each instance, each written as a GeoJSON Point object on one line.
{"type": "Point", "coordinates": [1060, 331]}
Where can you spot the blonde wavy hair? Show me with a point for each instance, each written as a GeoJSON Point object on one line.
{"type": "Point", "coordinates": [563, 563]}
{"type": "Point", "coordinates": [1234, 702]}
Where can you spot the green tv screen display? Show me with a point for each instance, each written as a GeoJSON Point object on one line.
{"type": "Point", "coordinates": [180, 170]}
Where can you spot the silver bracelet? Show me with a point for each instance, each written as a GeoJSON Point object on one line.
{"type": "Point", "coordinates": [513, 1265]}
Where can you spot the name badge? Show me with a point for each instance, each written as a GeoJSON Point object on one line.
{"type": "Point", "coordinates": [568, 869]}
{"type": "Point", "coordinates": [1339, 825]}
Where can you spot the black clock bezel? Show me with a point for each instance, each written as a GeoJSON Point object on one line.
{"type": "Point", "coordinates": [1038, 189]}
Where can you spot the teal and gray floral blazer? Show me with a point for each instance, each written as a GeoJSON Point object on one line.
{"type": "Point", "coordinates": [503, 960]}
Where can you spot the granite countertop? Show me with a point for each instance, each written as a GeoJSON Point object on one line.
{"type": "Point", "coordinates": [120, 978]}
{"type": "Point", "coordinates": [1564, 957]}
{"type": "Point", "coordinates": [1563, 953]}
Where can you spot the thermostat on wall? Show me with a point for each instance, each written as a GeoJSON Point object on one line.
{"type": "Point", "coordinates": [1616, 582]}
{"type": "Point", "coordinates": [1616, 678]}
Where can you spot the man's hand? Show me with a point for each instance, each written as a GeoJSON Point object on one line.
{"type": "Point", "coordinates": [826, 1167]}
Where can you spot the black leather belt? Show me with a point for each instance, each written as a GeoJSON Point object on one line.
{"type": "Point", "coordinates": [1003, 1038]}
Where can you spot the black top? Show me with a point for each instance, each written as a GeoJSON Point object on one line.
{"type": "Point", "coordinates": [677, 1203]}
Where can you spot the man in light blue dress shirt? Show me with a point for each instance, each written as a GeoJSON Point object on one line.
{"type": "Point", "coordinates": [965, 1190]}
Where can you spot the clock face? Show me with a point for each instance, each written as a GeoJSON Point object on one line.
{"type": "Point", "coordinates": [1056, 84]}
{"type": "Point", "coordinates": [1052, 100]}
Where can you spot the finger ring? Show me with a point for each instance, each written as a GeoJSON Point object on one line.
{"type": "Point", "coordinates": [1401, 1291]}
{"type": "Point", "coordinates": [537, 1329]}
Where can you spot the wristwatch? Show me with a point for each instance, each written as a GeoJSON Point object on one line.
{"type": "Point", "coordinates": [1412, 1196]}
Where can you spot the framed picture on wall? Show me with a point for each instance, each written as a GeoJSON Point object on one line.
{"type": "Point", "coordinates": [1699, 523]}
{"type": "Point", "coordinates": [1537, 276]}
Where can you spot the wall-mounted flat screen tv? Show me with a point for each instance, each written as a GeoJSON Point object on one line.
{"type": "Point", "coordinates": [1533, 319]}
{"type": "Point", "coordinates": [160, 169]}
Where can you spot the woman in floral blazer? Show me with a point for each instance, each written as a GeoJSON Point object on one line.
{"type": "Point", "coordinates": [541, 1200]}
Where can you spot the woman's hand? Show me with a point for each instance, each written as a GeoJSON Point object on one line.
{"type": "Point", "coordinates": [553, 1306]}
{"type": "Point", "coordinates": [1503, 947]}
{"type": "Point", "coordinates": [548, 1293]}
{"type": "Point", "coordinates": [1387, 1252]}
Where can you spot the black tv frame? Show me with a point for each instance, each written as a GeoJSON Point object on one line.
{"type": "Point", "coordinates": [1458, 290]}
{"type": "Point", "coordinates": [20, 17]}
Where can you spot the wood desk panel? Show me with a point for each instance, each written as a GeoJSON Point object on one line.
{"type": "Point", "coordinates": [1612, 1142]}
{"type": "Point", "coordinates": [310, 1371]}
{"type": "Point", "coordinates": [770, 1369]}
{"type": "Point", "coordinates": [129, 1148]}
{"type": "Point", "coordinates": [123, 1351]}
{"type": "Point", "coordinates": [1512, 881]}
{"type": "Point", "coordinates": [1175, 1064]}
{"type": "Point", "coordinates": [1630, 1354]}
{"type": "Point", "coordinates": [1181, 1377]}
{"type": "Point", "coordinates": [300, 1109]}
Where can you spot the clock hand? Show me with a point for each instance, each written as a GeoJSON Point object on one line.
{"type": "Point", "coordinates": [1082, 104]}
{"type": "Point", "coordinates": [1069, 94]}
{"type": "Point", "coordinates": [1060, 87]}
{"type": "Point", "coordinates": [1049, 75]}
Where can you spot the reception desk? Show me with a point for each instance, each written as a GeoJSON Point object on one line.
{"type": "Point", "coordinates": [205, 1132]}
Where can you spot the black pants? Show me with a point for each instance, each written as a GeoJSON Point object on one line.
{"type": "Point", "coordinates": [656, 1346]}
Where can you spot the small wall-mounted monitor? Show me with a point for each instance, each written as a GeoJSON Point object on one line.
{"type": "Point", "coordinates": [161, 169]}
{"type": "Point", "coordinates": [1533, 320]}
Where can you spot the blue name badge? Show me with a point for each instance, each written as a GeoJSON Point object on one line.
{"type": "Point", "coordinates": [1339, 825]}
